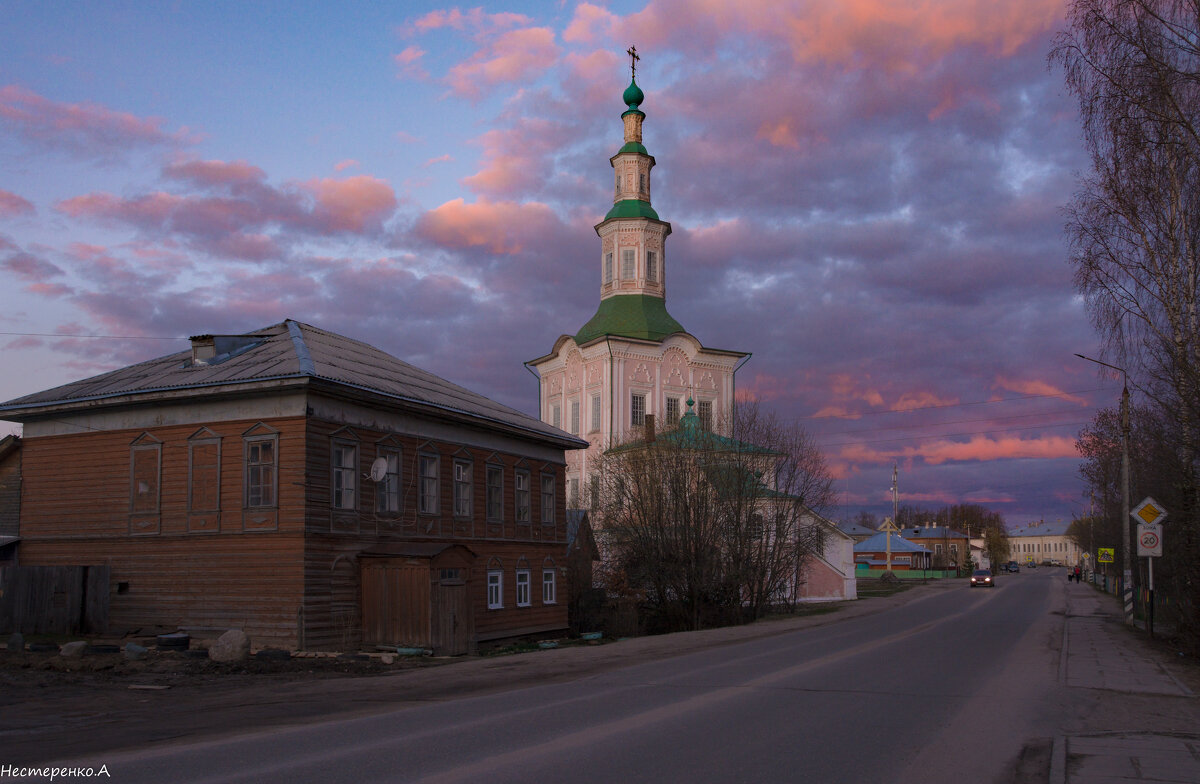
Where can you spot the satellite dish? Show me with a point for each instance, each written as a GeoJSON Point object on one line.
{"type": "Point", "coordinates": [379, 469]}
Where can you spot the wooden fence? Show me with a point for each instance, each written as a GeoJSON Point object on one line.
{"type": "Point", "coordinates": [53, 599]}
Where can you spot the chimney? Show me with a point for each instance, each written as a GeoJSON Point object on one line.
{"type": "Point", "coordinates": [650, 434]}
{"type": "Point", "coordinates": [204, 348]}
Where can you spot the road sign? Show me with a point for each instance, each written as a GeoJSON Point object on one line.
{"type": "Point", "coordinates": [1149, 539]}
{"type": "Point", "coordinates": [1105, 554]}
{"type": "Point", "coordinates": [1087, 556]}
{"type": "Point", "coordinates": [1149, 512]}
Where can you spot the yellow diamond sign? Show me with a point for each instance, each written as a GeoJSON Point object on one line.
{"type": "Point", "coordinates": [1149, 512]}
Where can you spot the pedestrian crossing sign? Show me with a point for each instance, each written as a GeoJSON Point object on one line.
{"type": "Point", "coordinates": [1105, 554]}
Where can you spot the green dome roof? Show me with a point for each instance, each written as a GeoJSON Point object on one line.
{"type": "Point", "coordinates": [633, 96]}
{"type": "Point", "coordinates": [630, 316]}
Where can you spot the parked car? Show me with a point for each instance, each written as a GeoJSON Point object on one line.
{"type": "Point", "coordinates": [1012, 566]}
{"type": "Point", "coordinates": [982, 577]}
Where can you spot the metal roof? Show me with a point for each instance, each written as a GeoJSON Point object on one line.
{"type": "Point", "coordinates": [878, 544]}
{"type": "Point", "coordinates": [290, 350]}
{"type": "Point", "coordinates": [1057, 528]}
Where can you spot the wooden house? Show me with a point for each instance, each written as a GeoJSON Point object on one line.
{"type": "Point", "coordinates": [305, 487]}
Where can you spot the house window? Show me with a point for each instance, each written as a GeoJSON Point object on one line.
{"type": "Point", "coordinates": [204, 476]}
{"type": "Point", "coordinates": [495, 588]}
{"type": "Point", "coordinates": [628, 257]}
{"type": "Point", "coordinates": [637, 410]}
{"type": "Point", "coordinates": [575, 417]}
{"type": "Point", "coordinates": [387, 490]}
{"type": "Point", "coordinates": [495, 493]}
{"type": "Point", "coordinates": [522, 496]}
{"type": "Point", "coordinates": [428, 485]}
{"type": "Point", "coordinates": [704, 410]}
{"type": "Point", "coordinates": [642, 182]}
{"type": "Point", "coordinates": [144, 478]}
{"type": "Point", "coordinates": [556, 415]}
{"type": "Point", "coordinates": [261, 473]}
{"type": "Point", "coordinates": [547, 499]}
{"type": "Point", "coordinates": [608, 268]}
{"type": "Point", "coordinates": [595, 412]}
{"type": "Point", "coordinates": [573, 493]}
{"type": "Point", "coordinates": [549, 588]}
{"type": "Point", "coordinates": [345, 475]}
{"type": "Point", "coordinates": [672, 411]}
{"type": "Point", "coordinates": [651, 266]}
{"type": "Point", "coordinates": [462, 488]}
{"type": "Point", "coordinates": [523, 588]}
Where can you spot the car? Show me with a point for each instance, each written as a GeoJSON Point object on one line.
{"type": "Point", "coordinates": [1012, 566]}
{"type": "Point", "coordinates": [1030, 565]}
{"type": "Point", "coordinates": [982, 577]}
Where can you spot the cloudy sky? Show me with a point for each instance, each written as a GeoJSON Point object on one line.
{"type": "Point", "coordinates": [865, 194]}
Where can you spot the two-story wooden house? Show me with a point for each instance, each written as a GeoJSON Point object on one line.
{"type": "Point", "coordinates": [305, 487]}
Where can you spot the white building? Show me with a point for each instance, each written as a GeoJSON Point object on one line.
{"type": "Point", "coordinates": [631, 359]}
{"type": "Point", "coordinates": [1041, 542]}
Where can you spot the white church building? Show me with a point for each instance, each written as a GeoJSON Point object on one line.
{"type": "Point", "coordinates": [631, 359]}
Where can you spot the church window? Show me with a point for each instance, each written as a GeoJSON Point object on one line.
{"type": "Point", "coordinates": [637, 410]}
{"type": "Point", "coordinates": [617, 186]}
{"type": "Point", "coordinates": [608, 270]}
{"type": "Point", "coordinates": [627, 264]}
{"type": "Point", "coordinates": [705, 413]}
{"type": "Point", "coordinates": [556, 415]}
{"type": "Point", "coordinates": [595, 412]}
{"type": "Point", "coordinates": [651, 265]}
{"type": "Point", "coordinates": [575, 417]}
{"type": "Point", "coordinates": [672, 411]}
{"type": "Point", "coordinates": [642, 182]}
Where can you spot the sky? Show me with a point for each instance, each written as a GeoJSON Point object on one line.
{"type": "Point", "coordinates": [865, 195]}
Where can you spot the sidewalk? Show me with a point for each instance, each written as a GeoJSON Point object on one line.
{"type": "Point", "coordinates": [1098, 653]}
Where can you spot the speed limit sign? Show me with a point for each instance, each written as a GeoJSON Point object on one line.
{"type": "Point", "coordinates": [1149, 541]}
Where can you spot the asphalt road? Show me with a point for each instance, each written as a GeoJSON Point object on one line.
{"type": "Point", "coordinates": [952, 685]}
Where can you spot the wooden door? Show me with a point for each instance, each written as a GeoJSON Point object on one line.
{"type": "Point", "coordinates": [453, 620]}
{"type": "Point", "coordinates": [395, 602]}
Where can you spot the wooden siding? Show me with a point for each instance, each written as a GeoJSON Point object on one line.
{"type": "Point", "coordinates": [53, 599]}
{"type": "Point", "coordinates": [10, 493]}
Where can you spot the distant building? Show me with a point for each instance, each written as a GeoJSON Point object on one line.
{"type": "Point", "coordinates": [305, 487]}
{"type": "Point", "coordinates": [950, 549]}
{"type": "Point", "coordinates": [906, 555]}
{"type": "Point", "coordinates": [1042, 542]}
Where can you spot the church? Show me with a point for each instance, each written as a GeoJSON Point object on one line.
{"type": "Point", "coordinates": [631, 360]}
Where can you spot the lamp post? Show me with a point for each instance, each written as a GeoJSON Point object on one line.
{"type": "Point", "coordinates": [1126, 569]}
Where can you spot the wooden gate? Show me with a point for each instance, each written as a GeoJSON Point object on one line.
{"type": "Point", "coordinates": [417, 595]}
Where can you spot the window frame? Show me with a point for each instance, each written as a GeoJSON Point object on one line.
{"type": "Point", "coordinates": [384, 490]}
{"type": "Point", "coordinates": [464, 496]}
{"type": "Point", "coordinates": [549, 586]}
{"type": "Point", "coordinates": [522, 494]}
{"type": "Point", "coordinates": [547, 497]}
{"type": "Point", "coordinates": [608, 267]}
{"type": "Point", "coordinates": [136, 452]}
{"type": "Point", "coordinates": [252, 443]}
{"type": "Point", "coordinates": [524, 594]}
{"type": "Point", "coordinates": [672, 417]}
{"type": "Point", "coordinates": [596, 412]}
{"type": "Point", "coordinates": [341, 497]}
{"type": "Point", "coordinates": [429, 485]}
{"type": "Point", "coordinates": [628, 264]}
{"type": "Point", "coordinates": [704, 410]}
{"type": "Point", "coordinates": [637, 409]}
{"type": "Point", "coordinates": [494, 492]}
{"type": "Point", "coordinates": [574, 417]}
{"type": "Point", "coordinates": [191, 499]}
{"type": "Point", "coordinates": [495, 589]}
{"type": "Point", "coordinates": [652, 266]}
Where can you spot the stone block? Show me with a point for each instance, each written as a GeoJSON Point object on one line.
{"type": "Point", "coordinates": [73, 650]}
{"type": "Point", "coordinates": [232, 646]}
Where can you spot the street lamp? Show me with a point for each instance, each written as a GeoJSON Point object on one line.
{"type": "Point", "coordinates": [1127, 571]}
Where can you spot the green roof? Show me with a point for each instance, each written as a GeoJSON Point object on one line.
{"type": "Point", "coordinates": [634, 147]}
{"type": "Point", "coordinates": [630, 316]}
{"type": "Point", "coordinates": [632, 208]}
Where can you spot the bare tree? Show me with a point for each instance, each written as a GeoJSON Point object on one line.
{"type": "Point", "coordinates": [707, 528]}
{"type": "Point", "coordinates": [1134, 66]}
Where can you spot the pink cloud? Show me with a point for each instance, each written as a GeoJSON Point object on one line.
{"type": "Point", "coordinates": [911, 400]}
{"type": "Point", "coordinates": [30, 267]}
{"type": "Point", "coordinates": [349, 163]}
{"type": "Point", "coordinates": [979, 448]}
{"type": "Point", "coordinates": [82, 128]}
{"type": "Point", "coordinates": [474, 19]}
{"type": "Point", "coordinates": [151, 209]}
{"type": "Point", "coordinates": [215, 173]}
{"type": "Point", "coordinates": [1035, 387]}
{"type": "Point", "coordinates": [408, 64]}
{"type": "Point", "coordinates": [354, 204]}
{"type": "Point", "coordinates": [12, 205]}
{"type": "Point", "coordinates": [440, 159]}
{"type": "Point", "coordinates": [590, 22]}
{"type": "Point", "coordinates": [510, 57]}
{"type": "Point", "coordinates": [498, 227]}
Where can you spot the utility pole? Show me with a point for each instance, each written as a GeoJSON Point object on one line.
{"type": "Point", "coordinates": [1126, 568]}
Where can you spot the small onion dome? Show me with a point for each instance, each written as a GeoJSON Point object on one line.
{"type": "Point", "coordinates": [633, 96]}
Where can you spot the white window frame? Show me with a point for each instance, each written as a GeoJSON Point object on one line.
{"type": "Point", "coordinates": [595, 412]}
{"type": "Point", "coordinates": [574, 417]}
{"type": "Point", "coordinates": [556, 414]}
{"type": "Point", "coordinates": [652, 266]}
{"type": "Point", "coordinates": [387, 491]}
{"type": "Point", "coordinates": [608, 267]}
{"type": "Point", "coordinates": [628, 264]}
{"type": "Point", "coordinates": [266, 471]}
{"type": "Point", "coordinates": [637, 409]}
{"type": "Point", "coordinates": [672, 412]}
{"type": "Point", "coordinates": [523, 578]}
{"type": "Point", "coordinates": [495, 589]}
{"type": "Point", "coordinates": [549, 586]}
